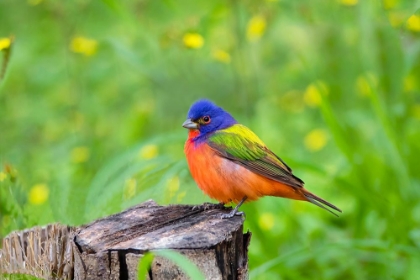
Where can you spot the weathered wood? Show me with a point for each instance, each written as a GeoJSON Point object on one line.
{"type": "Point", "coordinates": [111, 247]}
{"type": "Point", "coordinates": [44, 252]}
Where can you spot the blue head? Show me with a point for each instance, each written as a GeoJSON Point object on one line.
{"type": "Point", "coordinates": [207, 117]}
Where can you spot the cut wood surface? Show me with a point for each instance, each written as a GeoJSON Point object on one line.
{"type": "Point", "coordinates": [111, 247]}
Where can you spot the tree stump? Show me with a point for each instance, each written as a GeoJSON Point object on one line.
{"type": "Point", "coordinates": [111, 247]}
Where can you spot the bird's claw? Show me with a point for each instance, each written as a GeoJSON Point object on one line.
{"type": "Point", "coordinates": [240, 214]}
{"type": "Point", "coordinates": [232, 214]}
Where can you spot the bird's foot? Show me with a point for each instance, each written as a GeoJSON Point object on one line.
{"type": "Point", "coordinates": [231, 214]}
{"type": "Point", "coordinates": [235, 210]}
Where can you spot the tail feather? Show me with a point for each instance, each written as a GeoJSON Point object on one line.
{"type": "Point", "coordinates": [321, 203]}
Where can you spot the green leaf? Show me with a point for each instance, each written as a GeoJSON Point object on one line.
{"type": "Point", "coordinates": [180, 260]}
{"type": "Point", "coordinates": [144, 265]}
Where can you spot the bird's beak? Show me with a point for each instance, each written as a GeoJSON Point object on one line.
{"type": "Point", "coordinates": [190, 124]}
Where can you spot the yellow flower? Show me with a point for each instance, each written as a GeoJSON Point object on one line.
{"type": "Point", "coordinates": [34, 2]}
{"type": "Point", "coordinates": [130, 188]}
{"type": "Point", "coordinates": [5, 43]}
{"type": "Point", "coordinates": [256, 28]}
{"type": "Point", "coordinates": [149, 151]}
{"type": "Point", "coordinates": [3, 176]}
{"type": "Point", "coordinates": [221, 56]}
{"type": "Point", "coordinates": [266, 221]}
{"type": "Point", "coordinates": [413, 23]}
{"type": "Point", "coordinates": [193, 40]}
{"type": "Point", "coordinates": [83, 45]}
{"type": "Point", "coordinates": [349, 2]}
{"type": "Point", "coordinates": [314, 92]}
{"type": "Point", "coordinates": [80, 154]}
{"type": "Point", "coordinates": [38, 194]}
{"type": "Point", "coordinates": [316, 140]}
{"type": "Point", "coordinates": [312, 96]}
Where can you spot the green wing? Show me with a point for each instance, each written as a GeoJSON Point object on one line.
{"type": "Point", "coordinates": [239, 144]}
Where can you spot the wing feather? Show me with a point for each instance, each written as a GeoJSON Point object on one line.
{"type": "Point", "coordinates": [239, 144]}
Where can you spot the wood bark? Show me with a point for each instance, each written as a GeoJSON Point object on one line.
{"type": "Point", "coordinates": [111, 247]}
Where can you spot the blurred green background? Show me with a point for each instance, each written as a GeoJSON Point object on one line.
{"type": "Point", "coordinates": [95, 92]}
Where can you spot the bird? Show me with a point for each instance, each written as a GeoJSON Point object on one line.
{"type": "Point", "coordinates": [230, 163]}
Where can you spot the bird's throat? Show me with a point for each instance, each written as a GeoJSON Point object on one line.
{"type": "Point", "coordinates": [193, 133]}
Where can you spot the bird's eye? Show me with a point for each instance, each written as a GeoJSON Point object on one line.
{"type": "Point", "coordinates": [206, 119]}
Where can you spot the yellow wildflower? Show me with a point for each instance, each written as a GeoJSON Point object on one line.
{"type": "Point", "coordinates": [256, 28]}
{"type": "Point", "coordinates": [316, 140]}
{"type": "Point", "coordinates": [149, 151]}
{"type": "Point", "coordinates": [5, 43]}
{"type": "Point", "coordinates": [312, 96]}
{"type": "Point", "coordinates": [349, 2]}
{"type": "Point", "coordinates": [130, 188]}
{"type": "Point", "coordinates": [193, 40]}
{"type": "Point", "coordinates": [221, 56]}
{"type": "Point", "coordinates": [413, 23]}
{"type": "Point", "coordinates": [38, 194]}
{"type": "Point", "coordinates": [80, 154]}
{"type": "Point", "coordinates": [266, 221]}
{"type": "Point", "coordinates": [314, 92]}
{"type": "Point", "coordinates": [84, 45]}
{"type": "Point", "coordinates": [3, 176]}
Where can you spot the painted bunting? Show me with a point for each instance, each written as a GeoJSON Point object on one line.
{"type": "Point", "coordinates": [231, 164]}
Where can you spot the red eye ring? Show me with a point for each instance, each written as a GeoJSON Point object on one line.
{"type": "Point", "coordinates": [206, 119]}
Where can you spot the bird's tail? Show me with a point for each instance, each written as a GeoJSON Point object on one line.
{"type": "Point", "coordinates": [320, 202]}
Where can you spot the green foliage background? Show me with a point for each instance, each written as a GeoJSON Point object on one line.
{"type": "Point", "coordinates": [76, 123]}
